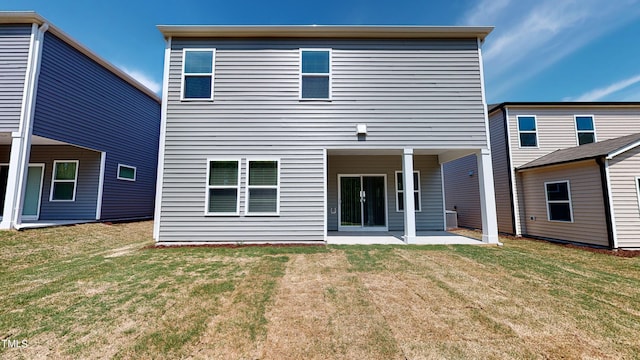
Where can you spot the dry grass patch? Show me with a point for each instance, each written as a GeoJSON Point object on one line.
{"type": "Point", "coordinates": [99, 291]}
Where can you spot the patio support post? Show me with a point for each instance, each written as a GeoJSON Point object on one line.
{"type": "Point", "coordinates": [409, 205]}
{"type": "Point", "coordinates": [487, 198]}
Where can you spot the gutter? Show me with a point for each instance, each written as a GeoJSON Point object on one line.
{"type": "Point", "coordinates": [606, 196]}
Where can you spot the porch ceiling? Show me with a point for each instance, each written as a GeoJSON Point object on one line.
{"type": "Point", "coordinates": [5, 139]}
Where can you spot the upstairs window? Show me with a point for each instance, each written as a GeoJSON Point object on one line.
{"type": "Point", "coordinates": [197, 74]}
{"type": "Point", "coordinates": [527, 131]}
{"type": "Point", "coordinates": [559, 201]}
{"type": "Point", "coordinates": [400, 191]}
{"type": "Point", "coordinates": [315, 74]}
{"type": "Point", "coordinates": [585, 129]}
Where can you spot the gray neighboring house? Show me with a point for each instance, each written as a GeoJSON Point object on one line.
{"type": "Point", "coordinates": [299, 133]}
{"type": "Point", "coordinates": [563, 171]}
{"type": "Point", "coordinates": [78, 137]}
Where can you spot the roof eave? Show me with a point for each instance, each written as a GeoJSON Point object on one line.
{"type": "Point", "coordinates": [564, 104]}
{"type": "Point", "coordinates": [326, 31]}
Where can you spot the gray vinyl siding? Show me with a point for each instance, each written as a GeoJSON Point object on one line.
{"type": "Point", "coordinates": [501, 170]}
{"type": "Point", "coordinates": [84, 206]}
{"type": "Point", "coordinates": [462, 191]}
{"type": "Point", "coordinates": [82, 103]}
{"type": "Point", "coordinates": [301, 198]}
{"type": "Point", "coordinates": [410, 94]}
{"type": "Point", "coordinates": [14, 54]}
{"type": "Point", "coordinates": [589, 221]}
{"type": "Point", "coordinates": [430, 218]}
{"type": "Point", "coordinates": [623, 170]}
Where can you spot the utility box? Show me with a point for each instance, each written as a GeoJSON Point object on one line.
{"type": "Point", "coordinates": [452, 219]}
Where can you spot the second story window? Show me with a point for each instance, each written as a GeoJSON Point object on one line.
{"type": "Point", "coordinates": [315, 74]}
{"type": "Point", "coordinates": [197, 74]}
{"type": "Point", "coordinates": [527, 131]}
{"type": "Point", "coordinates": [585, 129]}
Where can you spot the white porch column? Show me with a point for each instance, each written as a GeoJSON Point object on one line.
{"type": "Point", "coordinates": [409, 205]}
{"type": "Point", "coordinates": [17, 169]}
{"type": "Point", "coordinates": [487, 198]}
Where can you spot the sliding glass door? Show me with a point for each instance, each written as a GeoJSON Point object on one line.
{"type": "Point", "coordinates": [362, 202]}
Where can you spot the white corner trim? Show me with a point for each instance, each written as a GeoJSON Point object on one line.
{"type": "Point", "coordinates": [162, 140]}
{"type": "Point", "coordinates": [484, 98]}
{"type": "Point", "coordinates": [103, 161]}
{"type": "Point", "coordinates": [444, 199]}
{"type": "Point", "coordinates": [325, 162]}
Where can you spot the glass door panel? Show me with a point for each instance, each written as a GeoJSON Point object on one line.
{"type": "Point", "coordinates": [350, 206]}
{"type": "Point", "coordinates": [32, 194]}
{"type": "Point", "coordinates": [373, 201]}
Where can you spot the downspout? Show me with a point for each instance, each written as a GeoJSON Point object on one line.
{"type": "Point", "coordinates": [27, 130]}
{"type": "Point", "coordinates": [606, 196]}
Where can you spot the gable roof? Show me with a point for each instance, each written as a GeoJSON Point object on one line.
{"type": "Point", "coordinates": [491, 108]}
{"type": "Point", "coordinates": [31, 17]}
{"type": "Point", "coordinates": [327, 31]}
{"type": "Point", "coordinates": [608, 148]}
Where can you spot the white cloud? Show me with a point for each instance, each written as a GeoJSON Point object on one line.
{"type": "Point", "coordinates": [601, 93]}
{"type": "Point", "coordinates": [142, 78]}
{"type": "Point", "coordinates": [531, 36]}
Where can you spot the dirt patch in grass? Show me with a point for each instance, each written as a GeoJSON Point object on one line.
{"type": "Point", "coordinates": [321, 311]}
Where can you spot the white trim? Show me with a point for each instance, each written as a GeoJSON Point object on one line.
{"type": "Point", "coordinates": [547, 201]}
{"type": "Point", "coordinates": [483, 93]}
{"type": "Point", "coordinates": [37, 216]}
{"type": "Point", "coordinates": [162, 140]}
{"type": "Point", "coordinates": [135, 172]}
{"type": "Point", "coordinates": [103, 161]}
{"type": "Point", "coordinates": [183, 75]}
{"type": "Point", "coordinates": [276, 187]}
{"type": "Point", "coordinates": [362, 227]}
{"type": "Point", "coordinates": [444, 202]}
{"type": "Point", "coordinates": [575, 126]}
{"type": "Point", "coordinates": [208, 187]}
{"type": "Point", "coordinates": [419, 191]}
{"type": "Point", "coordinates": [329, 75]}
{"type": "Point", "coordinates": [74, 181]}
{"type": "Point", "coordinates": [535, 122]}
{"type": "Point", "coordinates": [614, 227]}
{"type": "Point", "coordinates": [623, 150]}
{"type": "Point", "coordinates": [325, 162]}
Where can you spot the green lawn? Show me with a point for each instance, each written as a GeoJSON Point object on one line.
{"type": "Point", "coordinates": [99, 291]}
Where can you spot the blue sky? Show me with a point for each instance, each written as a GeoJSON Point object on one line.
{"type": "Point", "coordinates": [543, 50]}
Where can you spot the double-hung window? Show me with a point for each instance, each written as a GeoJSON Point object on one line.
{"type": "Point", "coordinates": [223, 177]}
{"type": "Point", "coordinates": [558, 201]}
{"type": "Point", "coordinates": [197, 74]}
{"type": "Point", "coordinates": [527, 131]}
{"type": "Point", "coordinates": [315, 74]}
{"type": "Point", "coordinates": [64, 180]}
{"type": "Point", "coordinates": [400, 191]}
{"type": "Point", "coordinates": [263, 187]}
{"type": "Point", "coordinates": [585, 129]}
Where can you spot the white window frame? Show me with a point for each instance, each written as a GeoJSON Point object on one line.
{"type": "Point", "coordinates": [135, 172]}
{"type": "Point", "coordinates": [575, 124]}
{"type": "Point", "coordinates": [419, 191]}
{"type": "Point", "coordinates": [535, 120]}
{"type": "Point", "coordinates": [211, 74]}
{"type": "Point", "coordinates": [74, 181]}
{"type": "Point", "coordinates": [546, 196]}
{"type": "Point", "coordinates": [329, 75]}
{"type": "Point", "coordinates": [248, 187]}
{"type": "Point", "coordinates": [237, 187]}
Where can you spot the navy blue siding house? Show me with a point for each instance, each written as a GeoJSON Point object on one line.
{"type": "Point", "coordinates": [78, 137]}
